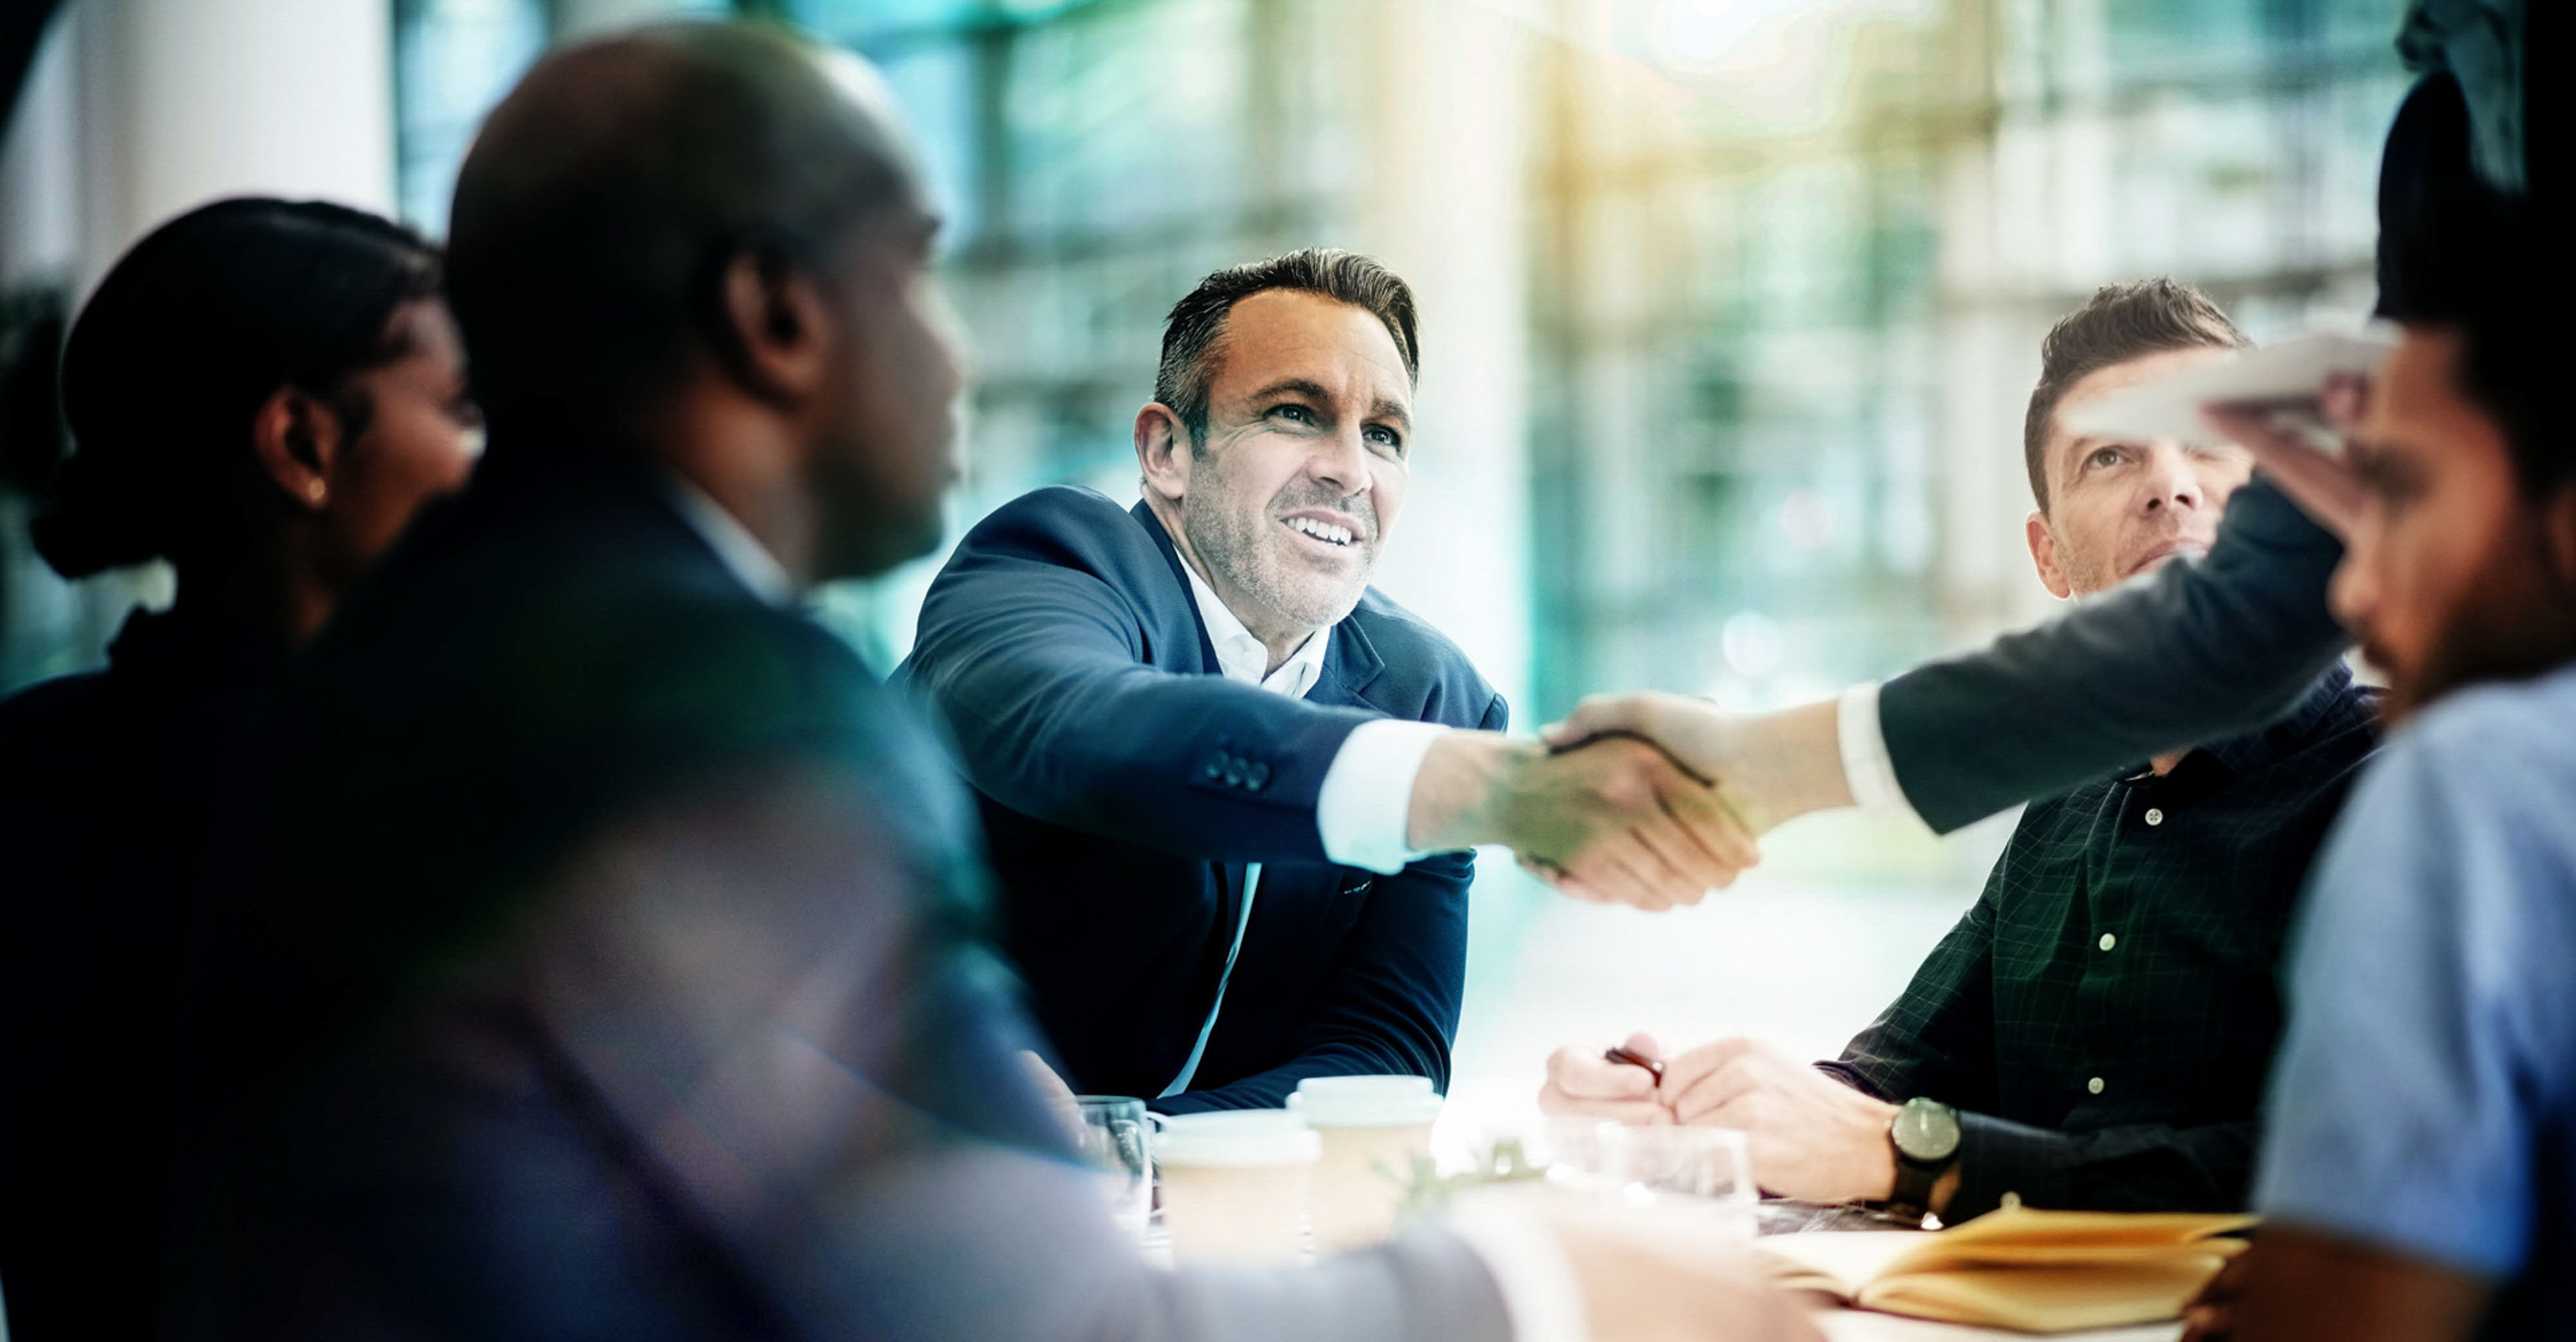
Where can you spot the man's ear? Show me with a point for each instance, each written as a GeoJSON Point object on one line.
{"type": "Point", "coordinates": [774, 330]}
{"type": "Point", "coordinates": [2043, 554]}
{"type": "Point", "coordinates": [1163, 451]}
{"type": "Point", "coordinates": [297, 440]}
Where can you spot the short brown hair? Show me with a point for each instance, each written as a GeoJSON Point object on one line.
{"type": "Point", "coordinates": [2118, 323]}
{"type": "Point", "coordinates": [1197, 322]}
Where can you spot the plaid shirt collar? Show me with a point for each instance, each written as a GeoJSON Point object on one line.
{"type": "Point", "coordinates": [2238, 756]}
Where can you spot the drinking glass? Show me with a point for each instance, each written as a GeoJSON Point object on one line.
{"type": "Point", "coordinates": [1692, 1169]}
{"type": "Point", "coordinates": [1114, 1139]}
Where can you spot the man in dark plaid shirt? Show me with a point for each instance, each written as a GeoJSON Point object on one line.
{"type": "Point", "coordinates": [2102, 1020]}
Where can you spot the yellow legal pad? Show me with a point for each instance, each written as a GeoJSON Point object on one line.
{"type": "Point", "coordinates": [2034, 1271]}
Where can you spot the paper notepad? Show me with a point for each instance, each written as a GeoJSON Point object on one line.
{"type": "Point", "coordinates": [2034, 1271]}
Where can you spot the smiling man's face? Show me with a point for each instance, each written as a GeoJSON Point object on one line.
{"type": "Point", "coordinates": [1287, 502]}
{"type": "Point", "coordinates": [2118, 508]}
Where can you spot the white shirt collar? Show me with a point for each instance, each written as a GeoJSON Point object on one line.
{"type": "Point", "coordinates": [1243, 657]}
{"type": "Point", "coordinates": [741, 552]}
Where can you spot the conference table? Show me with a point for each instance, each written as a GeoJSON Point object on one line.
{"type": "Point", "coordinates": [1860, 1325]}
{"type": "Point", "coordinates": [1779, 1216]}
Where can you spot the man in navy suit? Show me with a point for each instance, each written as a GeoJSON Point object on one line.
{"type": "Point", "coordinates": [1226, 784]}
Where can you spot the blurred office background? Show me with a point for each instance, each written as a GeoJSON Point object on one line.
{"type": "Point", "coordinates": [1731, 307]}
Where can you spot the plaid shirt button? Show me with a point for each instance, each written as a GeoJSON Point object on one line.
{"type": "Point", "coordinates": [2109, 941]}
{"type": "Point", "coordinates": [2154, 816]}
{"type": "Point", "coordinates": [2094, 1085]}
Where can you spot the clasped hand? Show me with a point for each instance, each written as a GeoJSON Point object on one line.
{"type": "Point", "coordinates": [1808, 1136]}
{"type": "Point", "coordinates": [1609, 819]}
{"type": "Point", "coordinates": [1661, 797]}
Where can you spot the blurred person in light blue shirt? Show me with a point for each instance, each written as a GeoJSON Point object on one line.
{"type": "Point", "coordinates": [2422, 1148]}
{"type": "Point", "coordinates": [2426, 1101]}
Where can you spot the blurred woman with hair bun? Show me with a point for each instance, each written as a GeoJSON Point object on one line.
{"type": "Point", "coordinates": [262, 393]}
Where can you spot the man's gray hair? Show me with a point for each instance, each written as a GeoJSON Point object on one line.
{"type": "Point", "coordinates": [1194, 334]}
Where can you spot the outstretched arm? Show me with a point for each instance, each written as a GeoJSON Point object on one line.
{"type": "Point", "coordinates": [2196, 653]}
{"type": "Point", "coordinates": [1037, 661]}
{"type": "Point", "coordinates": [2200, 652]}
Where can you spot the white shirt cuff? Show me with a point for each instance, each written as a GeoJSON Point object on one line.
{"type": "Point", "coordinates": [1866, 767]}
{"type": "Point", "coordinates": [1368, 794]}
{"type": "Point", "coordinates": [1541, 1295]}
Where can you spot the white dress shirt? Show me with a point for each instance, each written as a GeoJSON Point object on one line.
{"type": "Point", "coordinates": [736, 548]}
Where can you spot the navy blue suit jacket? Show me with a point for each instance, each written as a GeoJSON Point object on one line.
{"type": "Point", "coordinates": [1125, 784]}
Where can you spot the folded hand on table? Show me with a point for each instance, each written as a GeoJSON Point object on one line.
{"type": "Point", "coordinates": [1581, 1082]}
{"type": "Point", "coordinates": [1808, 1136]}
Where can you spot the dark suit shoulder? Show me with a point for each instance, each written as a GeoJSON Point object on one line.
{"type": "Point", "coordinates": [604, 616]}
{"type": "Point", "coordinates": [38, 718]}
{"type": "Point", "coordinates": [1421, 673]}
{"type": "Point", "coordinates": [1402, 636]}
{"type": "Point", "coordinates": [1080, 531]}
{"type": "Point", "coordinates": [1424, 675]}
{"type": "Point", "coordinates": [1081, 528]}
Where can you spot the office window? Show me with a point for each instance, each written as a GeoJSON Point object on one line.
{"type": "Point", "coordinates": [453, 59]}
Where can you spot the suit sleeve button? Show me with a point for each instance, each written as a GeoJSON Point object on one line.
{"type": "Point", "coordinates": [1257, 776]}
{"type": "Point", "coordinates": [1215, 766]}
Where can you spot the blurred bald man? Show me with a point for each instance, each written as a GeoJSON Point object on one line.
{"type": "Point", "coordinates": [604, 946]}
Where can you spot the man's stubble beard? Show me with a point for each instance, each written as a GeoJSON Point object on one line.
{"type": "Point", "coordinates": [1241, 554]}
{"type": "Point", "coordinates": [2084, 575]}
{"type": "Point", "coordinates": [2517, 619]}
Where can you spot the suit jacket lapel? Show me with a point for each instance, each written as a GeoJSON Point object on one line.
{"type": "Point", "coordinates": [1350, 664]}
{"type": "Point", "coordinates": [1229, 875]}
{"type": "Point", "coordinates": [1180, 582]}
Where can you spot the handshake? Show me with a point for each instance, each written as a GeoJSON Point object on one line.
{"type": "Point", "coordinates": [1649, 800]}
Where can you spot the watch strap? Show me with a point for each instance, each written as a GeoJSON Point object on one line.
{"type": "Point", "coordinates": [1912, 1195]}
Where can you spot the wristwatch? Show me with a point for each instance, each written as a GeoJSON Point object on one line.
{"type": "Point", "coordinates": [1925, 1134]}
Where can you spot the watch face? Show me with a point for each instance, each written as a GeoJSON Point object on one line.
{"type": "Point", "coordinates": [1926, 1130]}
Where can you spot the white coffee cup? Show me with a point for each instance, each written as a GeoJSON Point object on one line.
{"type": "Point", "coordinates": [1234, 1185]}
{"type": "Point", "coordinates": [1372, 1128]}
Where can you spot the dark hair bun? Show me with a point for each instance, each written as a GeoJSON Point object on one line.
{"type": "Point", "coordinates": [196, 326]}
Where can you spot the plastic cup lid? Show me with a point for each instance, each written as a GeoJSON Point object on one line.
{"type": "Point", "coordinates": [1366, 1101]}
{"type": "Point", "coordinates": [1237, 1137]}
